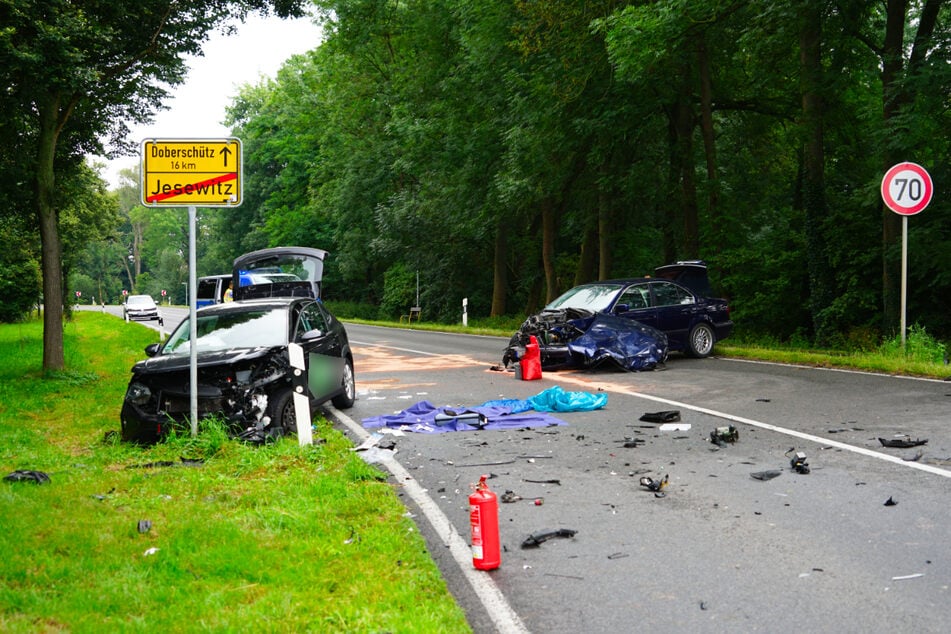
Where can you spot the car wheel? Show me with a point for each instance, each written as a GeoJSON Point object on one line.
{"type": "Point", "coordinates": [280, 408]}
{"type": "Point", "coordinates": [345, 399]}
{"type": "Point", "coordinates": [701, 340]}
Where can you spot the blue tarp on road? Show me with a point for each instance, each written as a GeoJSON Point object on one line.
{"type": "Point", "coordinates": [424, 417]}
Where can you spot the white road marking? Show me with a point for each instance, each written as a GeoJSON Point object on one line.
{"type": "Point", "coordinates": [775, 428]}
{"type": "Point", "coordinates": [504, 618]}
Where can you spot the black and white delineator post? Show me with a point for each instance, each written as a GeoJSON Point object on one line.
{"type": "Point", "coordinates": [305, 435]}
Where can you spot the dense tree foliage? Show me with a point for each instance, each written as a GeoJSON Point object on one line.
{"type": "Point", "coordinates": [508, 149]}
{"type": "Point", "coordinates": [75, 72]}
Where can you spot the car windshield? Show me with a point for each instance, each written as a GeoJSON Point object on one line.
{"type": "Point", "coordinates": [588, 297]}
{"type": "Point", "coordinates": [251, 328]}
{"type": "Point", "coordinates": [140, 300]}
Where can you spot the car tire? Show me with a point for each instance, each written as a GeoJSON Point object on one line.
{"type": "Point", "coordinates": [700, 341]}
{"type": "Point", "coordinates": [280, 408]}
{"type": "Point", "coordinates": [345, 399]}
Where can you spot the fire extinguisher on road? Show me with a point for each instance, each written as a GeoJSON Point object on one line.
{"type": "Point", "coordinates": [484, 522]}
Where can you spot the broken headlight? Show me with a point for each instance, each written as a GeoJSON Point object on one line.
{"type": "Point", "coordinates": [138, 394]}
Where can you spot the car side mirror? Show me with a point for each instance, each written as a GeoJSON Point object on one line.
{"type": "Point", "coordinates": [312, 335]}
{"type": "Point", "coordinates": [152, 349]}
{"type": "Point", "coordinates": [622, 308]}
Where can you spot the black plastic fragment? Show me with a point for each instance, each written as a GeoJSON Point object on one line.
{"type": "Point", "coordinates": [667, 416]}
{"type": "Point", "coordinates": [536, 539]}
{"type": "Point", "coordinates": [891, 502]}
{"type": "Point", "coordinates": [27, 475]}
{"type": "Point", "coordinates": [766, 475]}
{"type": "Point", "coordinates": [900, 443]}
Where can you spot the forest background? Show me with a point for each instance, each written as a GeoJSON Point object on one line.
{"type": "Point", "coordinates": [503, 151]}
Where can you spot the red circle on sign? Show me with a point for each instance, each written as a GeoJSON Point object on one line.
{"type": "Point", "coordinates": [907, 188]}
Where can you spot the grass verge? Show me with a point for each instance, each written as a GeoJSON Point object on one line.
{"type": "Point", "coordinates": [275, 538]}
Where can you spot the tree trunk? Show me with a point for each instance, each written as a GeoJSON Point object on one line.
{"type": "Point", "coordinates": [685, 123]}
{"type": "Point", "coordinates": [588, 261]}
{"type": "Point", "coordinates": [605, 231]}
{"type": "Point", "coordinates": [821, 293]}
{"type": "Point", "coordinates": [892, 63]}
{"type": "Point", "coordinates": [548, 248]}
{"type": "Point", "coordinates": [499, 269]}
{"type": "Point", "coordinates": [894, 98]}
{"type": "Point", "coordinates": [53, 353]}
{"type": "Point", "coordinates": [709, 145]}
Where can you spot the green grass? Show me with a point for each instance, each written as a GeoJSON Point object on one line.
{"type": "Point", "coordinates": [275, 538]}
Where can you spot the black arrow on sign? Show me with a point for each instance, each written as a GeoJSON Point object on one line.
{"type": "Point", "coordinates": [226, 152]}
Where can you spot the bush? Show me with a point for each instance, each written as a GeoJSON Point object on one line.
{"type": "Point", "coordinates": [20, 281]}
{"type": "Point", "coordinates": [919, 346]}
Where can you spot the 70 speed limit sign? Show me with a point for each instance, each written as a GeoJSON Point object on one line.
{"type": "Point", "coordinates": [907, 189]}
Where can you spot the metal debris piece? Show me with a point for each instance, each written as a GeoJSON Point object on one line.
{"type": "Point", "coordinates": [798, 461]}
{"type": "Point", "coordinates": [654, 485]}
{"type": "Point", "coordinates": [902, 443]}
{"type": "Point", "coordinates": [766, 475]}
{"type": "Point", "coordinates": [722, 435]}
{"type": "Point", "coordinates": [536, 539]}
{"type": "Point", "coordinates": [891, 502]}
{"type": "Point", "coordinates": [510, 496]}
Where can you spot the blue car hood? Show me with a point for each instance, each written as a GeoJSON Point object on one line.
{"type": "Point", "coordinates": [631, 344]}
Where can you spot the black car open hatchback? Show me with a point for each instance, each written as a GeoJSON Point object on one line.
{"type": "Point", "coordinates": [243, 361]}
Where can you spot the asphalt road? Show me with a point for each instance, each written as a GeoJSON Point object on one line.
{"type": "Point", "coordinates": [722, 551]}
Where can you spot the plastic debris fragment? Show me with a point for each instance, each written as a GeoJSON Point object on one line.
{"type": "Point", "coordinates": [536, 539]}
{"type": "Point", "coordinates": [27, 475]}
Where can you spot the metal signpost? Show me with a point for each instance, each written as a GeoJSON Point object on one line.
{"type": "Point", "coordinates": [906, 190]}
{"type": "Point", "coordinates": [191, 173]}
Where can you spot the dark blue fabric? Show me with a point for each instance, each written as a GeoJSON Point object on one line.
{"type": "Point", "coordinates": [630, 344]}
{"type": "Point", "coordinates": [421, 418]}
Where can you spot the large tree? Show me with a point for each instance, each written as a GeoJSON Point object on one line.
{"type": "Point", "coordinates": [76, 72]}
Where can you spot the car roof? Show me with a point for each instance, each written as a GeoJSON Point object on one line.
{"type": "Point", "coordinates": [266, 302]}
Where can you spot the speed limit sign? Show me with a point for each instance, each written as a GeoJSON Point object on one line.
{"type": "Point", "coordinates": [907, 189]}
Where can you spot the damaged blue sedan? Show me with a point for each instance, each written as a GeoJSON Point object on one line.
{"type": "Point", "coordinates": [631, 322]}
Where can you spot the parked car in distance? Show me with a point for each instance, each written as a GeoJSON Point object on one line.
{"type": "Point", "coordinates": [677, 303]}
{"type": "Point", "coordinates": [211, 290]}
{"type": "Point", "coordinates": [141, 308]}
{"type": "Point", "coordinates": [244, 371]}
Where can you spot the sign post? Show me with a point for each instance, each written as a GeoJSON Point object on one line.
{"type": "Point", "coordinates": [906, 190]}
{"type": "Point", "coordinates": [191, 173]}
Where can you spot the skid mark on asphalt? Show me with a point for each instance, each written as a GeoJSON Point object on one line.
{"type": "Point", "coordinates": [370, 359]}
{"type": "Point", "coordinates": [630, 391]}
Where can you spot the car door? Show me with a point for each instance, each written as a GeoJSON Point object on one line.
{"type": "Point", "coordinates": [676, 310]}
{"type": "Point", "coordinates": [635, 302]}
{"type": "Point", "coordinates": [322, 351]}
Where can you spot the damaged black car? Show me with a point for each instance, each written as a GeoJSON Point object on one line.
{"type": "Point", "coordinates": [244, 371]}
{"type": "Point", "coordinates": [631, 322]}
{"type": "Point", "coordinates": [242, 354]}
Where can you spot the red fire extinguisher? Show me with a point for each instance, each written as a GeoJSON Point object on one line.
{"type": "Point", "coordinates": [484, 522]}
{"type": "Point", "coordinates": [531, 364]}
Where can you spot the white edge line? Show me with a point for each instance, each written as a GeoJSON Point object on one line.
{"type": "Point", "coordinates": [506, 620]}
